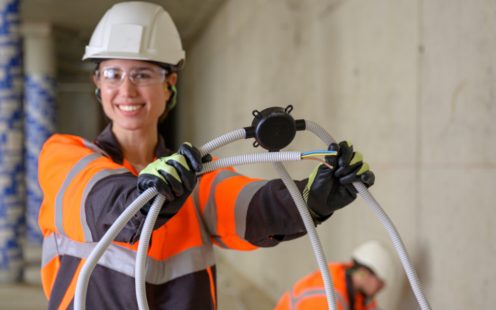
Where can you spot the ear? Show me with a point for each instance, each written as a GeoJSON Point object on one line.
{"type": "Point", "coordinates": [172, 78]}
{"type": "Point", "coordinates": [170, 92]}
{"type": "Point", "coordinates": [98, 94]}
{"type": "Point", "coordinates": [362, 272]}
{"type": "Point", "coordinates": [170, 81]}
{"type": "Point", "coordinates": [95, 81]}
{"type": "Point", "coordinates": [97, 88]}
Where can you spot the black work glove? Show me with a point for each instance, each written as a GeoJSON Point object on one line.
{"type": "Point", "coordinates": [328, 190]}
{"type": "Point", "coordinates": [174, 177]}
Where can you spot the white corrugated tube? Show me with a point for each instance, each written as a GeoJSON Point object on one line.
{"type": "Point", "coordinates": [140, 275]}
{"type": "Point", "coordinates": [141, 256]}
{"type": "Point", "coordinates": [104, 243]}
{"type": "Point", "coordinates": [312, 234]}
{"type": "Point", "coordinates": [276, 158]}
{"type": "Point", "coordinates": [384, 219]}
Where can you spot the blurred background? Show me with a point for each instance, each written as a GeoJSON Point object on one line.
{"type": "Point", "coordinates": [411, 83]}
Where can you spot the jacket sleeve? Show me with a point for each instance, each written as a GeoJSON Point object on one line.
{"type": "Point", "coordinates": [273, 216]}
{"type": "Point", "coordinates": [84, 191]}
{"type": "Point", "coordinates": [244, 213]}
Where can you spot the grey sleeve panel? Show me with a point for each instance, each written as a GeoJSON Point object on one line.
{"type": "Point", "coordinates": [106, 200]}
{"type": "Point", "coordinates": [272, 215]}
{"type": "Point", "coordinates": [94, 180]}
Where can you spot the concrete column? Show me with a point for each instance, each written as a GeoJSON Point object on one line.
{"type": "Point", "coordinates": [11, 143]}
{"type": "Point", "coordinates": [39, 113]}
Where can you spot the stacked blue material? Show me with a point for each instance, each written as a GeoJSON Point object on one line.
{"type": "Point", "coordinates": [11, 143]}
{"type": "Point", "coordinates": [39, 110]}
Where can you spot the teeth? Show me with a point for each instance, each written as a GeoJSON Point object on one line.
{"type": "Point", "coordinates": [128, 108]}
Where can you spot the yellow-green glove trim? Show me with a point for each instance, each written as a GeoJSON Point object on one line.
{"type": "Point", "coordinates": [311, 178]}
{"type": "Point", "coordinates": [161, 164]}
{"type": "Point", "coordinates": [363, 169]}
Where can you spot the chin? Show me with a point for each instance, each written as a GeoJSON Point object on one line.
{"type": "Point", "coordinates": [132, 126]}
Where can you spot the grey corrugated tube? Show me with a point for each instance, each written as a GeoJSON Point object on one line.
{"type": "Point", "coordinates": [233, 161]}
{"type": "Point", "coordinates": [384, 219]}
{"type": "Point", "coordinates": [103, 244]}
{"type": "Point", "coordinates": [277, 158]}
{"type": "Point", "coordinates": [141, 255]}
{"type": "Point", "coordinates": [140, 275]}
{"type": "Point", "coordinates": [312, 234]}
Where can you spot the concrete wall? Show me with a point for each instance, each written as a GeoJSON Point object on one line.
{"type": "Point", "coordinates": [411, 83]}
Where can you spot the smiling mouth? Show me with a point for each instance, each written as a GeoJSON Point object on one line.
{"type": "Point", "coordinates": [129, 108]}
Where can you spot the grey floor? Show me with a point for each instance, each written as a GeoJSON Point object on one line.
{"type": "Point", "coordinates": [28, 294]}
{"type": "Point", "coordinates": [22, 297]}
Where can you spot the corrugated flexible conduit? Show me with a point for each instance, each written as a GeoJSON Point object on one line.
{"type": "Point", "coordinates": [386, 222]}
{"type": "Point", "coordinates": [277, 158]}
{"type": "Point", "coordinates": [233, 161]}
{"type": "Point", "coordinates": [104, 243]}
{"type": "Point", "coordinates": [312, 234]}
{"type": "Point", "coordinates": [141, 255]}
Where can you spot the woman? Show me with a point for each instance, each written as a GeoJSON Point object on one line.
{"type": "Point", "coordinates": [86, 186]}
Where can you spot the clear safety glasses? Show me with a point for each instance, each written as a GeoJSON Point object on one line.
{"type": "Point", "coordinates": [113, 77]}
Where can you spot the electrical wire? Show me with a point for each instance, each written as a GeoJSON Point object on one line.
{"type": "Point", "coordinates": [319, 153]}
{"type": "Point", "coordinates": [92, 260]}
{"type": "Point", "coordinates": [384, 219]}
{"type": "Point", "coordinates": [320, 160]}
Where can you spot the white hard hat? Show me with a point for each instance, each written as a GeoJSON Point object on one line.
{"type": "Point", "coordinates": [136, 30]}
{"type": "Point", "coordinates": [375, 256]}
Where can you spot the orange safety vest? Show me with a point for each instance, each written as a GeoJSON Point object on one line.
{"type": "Point", "coordinates": [309, 294]}
{"type": "Point", "coordinates": [87, 185]}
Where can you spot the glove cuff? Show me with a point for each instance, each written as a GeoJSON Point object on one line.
{"type": "Point", "coordinates": [317, 218]}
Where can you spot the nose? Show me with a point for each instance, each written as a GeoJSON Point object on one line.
{"type": "Point", "coordinates": [127, 87]}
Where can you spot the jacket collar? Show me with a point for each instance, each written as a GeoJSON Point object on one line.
{"type": "Point", "coordinates": [107, 141]}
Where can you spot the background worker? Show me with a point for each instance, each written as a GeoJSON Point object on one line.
{"type": "Point", "coordinates": [86, 185]}
{"type": "Point", "coordinates": [356, 283]}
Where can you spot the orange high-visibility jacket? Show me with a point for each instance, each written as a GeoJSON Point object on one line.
{"type": "Point", "coordinates": [86, 186]}
{"type": "Point", "coordinates": [309, 294]}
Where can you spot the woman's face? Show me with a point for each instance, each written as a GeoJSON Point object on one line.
{"type": "Point", "coordinates": [133, 93]}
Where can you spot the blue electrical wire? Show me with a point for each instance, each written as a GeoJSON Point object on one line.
{"type": "Point", "coordinates": [319, 153]}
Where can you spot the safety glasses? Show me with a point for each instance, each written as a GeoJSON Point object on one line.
{"type": "Point", "coordinates": [113, 77]}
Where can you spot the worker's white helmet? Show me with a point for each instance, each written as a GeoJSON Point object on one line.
{"type": "Point", "coordinates": [136, 30]}
{"type": "Point", "coordinates": [375, 256]}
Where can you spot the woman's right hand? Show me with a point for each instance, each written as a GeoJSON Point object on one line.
{"type": "Point", "coordinates": [173, 176]}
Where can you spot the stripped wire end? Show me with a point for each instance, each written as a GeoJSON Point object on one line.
{"type": "Point", "coordinates": [318, 153]}
{"type": "Point", "coordinates": [314, 155]}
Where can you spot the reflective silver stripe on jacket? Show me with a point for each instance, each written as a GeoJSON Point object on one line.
{"type": "Point", "coordinates": [94, 148]}
{"type": "Point", "coordinates": [240, 207]}
{"type": "Point", "coordinates": [78, 167]}
{"type": "Point", "coordinates": [242, 203]}
{"type": "Point", "coordinates": [123, 260]}
{"type": "Point", "coordinates": [205, 234]}
{"type": "Point", "coordinates": [317, 292]}
{"type": "Point", "coordinates": [210, 210]}
{"type": "Point", "coordinates": [97, 177]}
